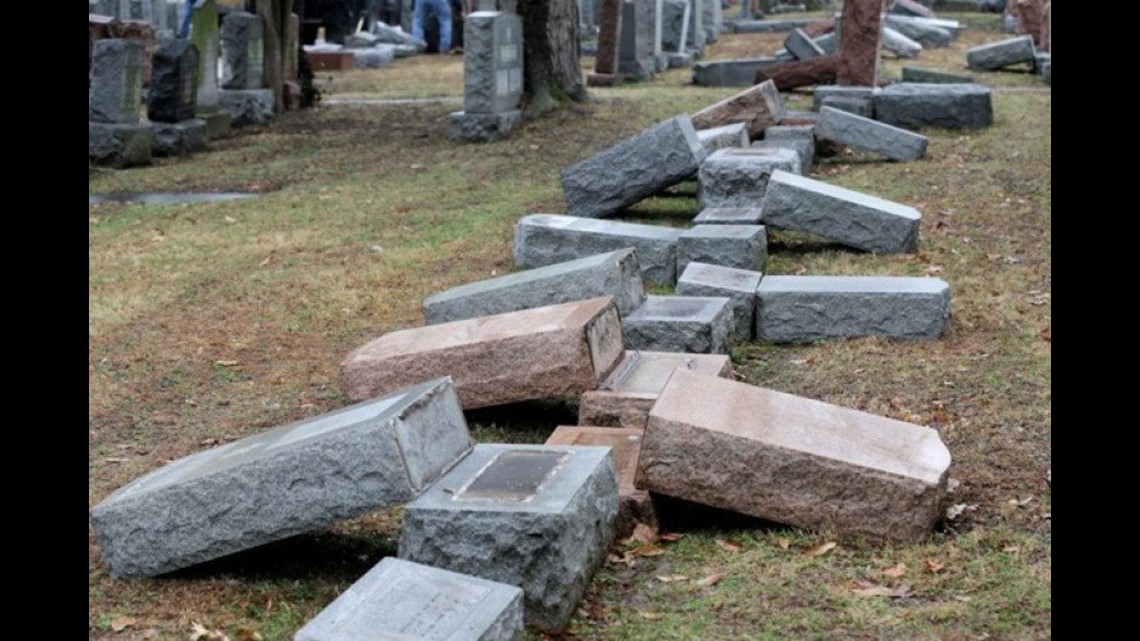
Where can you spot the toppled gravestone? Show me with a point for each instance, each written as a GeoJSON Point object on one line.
{"type": "Point", "coordinates": [739, 177]}
{"type": "Point", "coordinates": [865, 134]}
{"type": "Point", "coordinates": [738, 285]}
{"type": "Point", "coordinates": [793, 460]}
{"type": "Point", "coordinates": [368, 456]}
{"type": "Point", "coordinates": [1001, 54]}
{"type": "Point", "coordinates": [398, 599]}
{"type": "Point", "coordinates": [697, 324]}
{"type": "Point", "coordinates": [633, 169]}
{"type": "Point", "coordinates": [545, 352]}
{"type": "Point", "coordinates": [537, 516]}
{"type": "Point", "coordinates": [734, 135]}
{"type": "Point", "coordinates": [738, 246]}
{"type": "Point", "coordinates": [918, 74]}
{"type": "Point", "coordinates": [758, 107]}
{"type": "Point", "coordinates": [943, 105]}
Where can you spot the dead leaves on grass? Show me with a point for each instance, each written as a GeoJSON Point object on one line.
{"type": "Point", "coordinates": [821, 549]}
{"type": "Point", "coordinates": [199, 632]}
{"type": "Point", "coordinates": [729, 546]}
{"type": "Point", "coordinates": [867, 588]}
{"type": "Point", "coordinates": [118, 624]}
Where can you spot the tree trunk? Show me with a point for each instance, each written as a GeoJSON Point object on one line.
{"type": "Point", "coordinates": [274, 15]}
{"type": "Point", "coordinates": [552, 68]}
{"type": "Point", "coordinates": [813, 71]}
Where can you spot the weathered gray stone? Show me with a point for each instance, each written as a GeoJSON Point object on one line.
{"type": "Point", "coordinates": [759, 106]}
{"type": "Point", "coordinates": [946, 106]}
{"type": "Point", "coordinates": [698, 324]}
{"type": "Point", "coordinates": [679, 60]}
{"type": "Point", "coordinates": [119, 145]}
{"type": "Point", "coordinates": [492, 62]}
{"type": "Point", "coordinates": [635, 51]}
{"type": "Point", "coordinates": [376, 57]}
{"type": "Point", "coordinates": [780, 133]}
{"type": "Point", "coordinates": [730, 73]}
{"type": "Point", "coordinates": [728, 216]}
{"type": "Point", "coordinates": [247, 106]}
{"type": "Point", "coordinates": [928, 35]}
{"type": "Point", "coordinates": [838, 214]}
{"type": "Point", "coordinates": [1040, 59]}
{"type": "Point", "coordinates": [1001, 54]}
{"type": "Point", "coordinates": [871, 135]}
{"type": "Point", "coordinates": [544, 352]}
{"type": "Point", "coordinates": [537, 516]}
{"type": "Point", "coordinates": [803, 147]}
{"type": "Point", "coordinates": [734, 135]}
{"type": "Point", "coordinates": [616, 274]}
{"type": "Point", "coordinates": [361, 40]}
{"type": "Point", "coordinates": [625, 397]}
{"type": "Point", "coordinates": [675, 26]}
{"type": "Point", "coordinates": [546, 239]}
{"type": "Point", "coordinates": [712, 19]}
{"type": "Point", "coordinates": [828, 42]}
{"type": "Point", "coordinates": [897, 43]}
{"type": "Point", "coordinates": [801, 47]}
{"type": "Point", "coordinates": [770, 26]}
{"type": "Point", "coordinates": [740, 246]}
{"type": "Point", "coordinates": [918, 74]}
{"type": "Point", "coordinates": [406, 50]}
{"type": "Point", "coordinates": [1047, 73]}
{"type": "Point", "coordinates": [910, 8]}
{"type": "Point", "coordinates": [793, 460]}
{"type": "Point", "coordinates": [400, 599]}
{"type": "Point", "coordinates": [243, 51]}
{"type": "Point", "coordinates": [739, 177]}
{"type": "Point", "coordinates": [850, 104]}
{"type": "Point", "coordinates": [738, 285]}
{"type": "Point", "coordinates": [173, 94]}
{"type": "Point", "coordinates": [633, 169]}
{"type": "Point", "coordinates": [864, 95]}
{"type": "Point", "coordinates": [177, 138]}
{"type": "Point", "coordinates": [230, 498]}
{"type": "Point", "coordinates": [115, 82]}
{"type": "Point", "coordinates": [482, 127]}
{"type": "Point", "coordinates": [696, 41]}
{"type": "Point", "coordinates": [206, 37]}
{"type": "Point", "coordinates": [802, 309]}
{"type": "Point", "coordinates": [398, 36]}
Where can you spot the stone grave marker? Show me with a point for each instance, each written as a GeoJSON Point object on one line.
{"type": "Point", "coordinates": [492, 77]}
{"type": "Point", "coordinates": [739, 246]}
{"type": "Point", "coordinates": [206, 37]}
{"type": "Point", "coordinates": [243, 51]}
{"type": "Point", "coordinates": [793, 460]}
{"type": "Point", "coordinates": [398, 599]}
{"type": "Point", "coordinates": [173, 99]}
{"type": "Point", "coordinates": [345, 463]}
{"type": "Point", "coordinates": [738, 285]}
{"type": "Point", "coordinates": [943, 105]}
{"type": "Point", "coordinates": [734, 135]}
{"type": "Point", "coordinates": [1001, 54]}
{"type": "Point", "coordinates": [870, 135]}
{"type": "Point", "coordinates": [545, 352]}
{"type": "Point", "coordinates": [918, 74]}
{"type": "Point", "coordinates": [606, 61]}
{"type": "Point", "coordinates": [697, 324]}
{"type": "Point", "coordinates": [739, 177]}
{"type": "Point", "coordinates": [759, 107]}
{"type": "Point", "coordinates": [728, 216]}
{"type": "Point", "coordinates": [535, 516]}
{"type": "Point", "coordinates": [898, 43]}
{"type": "Point", "coordinates": [635, 57]}
{"type": "Point", "coordinates": [859, 40]}
{"type": "Point", "coordinates": [115, 135]}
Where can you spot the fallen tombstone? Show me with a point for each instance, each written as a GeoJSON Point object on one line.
{"type": "Point", "coordinates": [398, 599]}
{"type": "Point", "coordinates": [802, 309]}
{"type": "Point", "coordinates": [634, 506]}
{"type": "Point", "coordinates": [804, 149]}
{"type": "Point", "coordinates": [869, 135]}
{"type": "Point", "coordinates": [930, 76]}
{"type": "Point", "coordinates": [229, 498]}
{"type": "Point", "coordinates": [793, 460]}
{"type": "Point", "coordinates": [928, 35]}
{"type": "Point", "coordinates": [395, 35]}
{"type": "Point", "coordinates": [547, 239]}
{"type": "Point", "coordinates": [801, 46]}
{"type": "Point", "coordinates": [1040, 59]}
{"type": "Point", "coordinates": [634, 168]}
{"type": "Point", "coordinates": [625, 397]}
{"type": "Point", "coordinates": [616, 274]}
{"type": "Point", "coordinates": [829, 42]}
{"type": "Point", "coordinates": [899, 44]}
{"type": "Point", "coordinates": [1001, 54]}
{"type": "Point", "coordinates": [838, 214]}
{"type": "Point", "coordinates": [728, 216]}
{"type": "Point", "coordinates": [739, 177]}
{"type": "Point", "coordinates": [376, 57]}
{"type": "Point", "coordinates": [536, 516]}
{"type": "Point", "coordinates": [734, 135]}
{"type": "Point", "coordinates": [545, 352]}
{"type": "Point", "coordinates": [946, 106]}
{"type": "Point", "coordinates": [739, 246]}
{"type": "Point", "coordinates": [769, 26]}
{"type": "Point", "coordinates": [738, 285]}
{"type": "Point", "coordinates": [859, 100]}
{"type": "Point", "coordinates": [730, 73]}
{"type": "Point", "coordinates": [801, 73]}
{"type": "Point", "coordinates": [701, 325]}
{"type": "Point", "coordinates": [759, 107]}
{"type": "Point", "coordinates": [910, 8]}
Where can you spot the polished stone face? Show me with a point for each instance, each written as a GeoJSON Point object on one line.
{"type": "Point", "coordinates": [514, 475]}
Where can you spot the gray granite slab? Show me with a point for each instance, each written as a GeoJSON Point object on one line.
{"type": "Point", "coordinates": [114, 95]}
{"type": "Point", "coordinates": [738, 285]}
{"type": "Point", "coordinates": [739, 177]}
{"type": "Point", "coordinates": [1000, 54]}
{"type": "Point", "coordinates": [697, 324]}
{"type": "Point", "coordinates": [941, 105]}
{"type": "Point", "coordinates": [739, 246]}
{"type": "Point", "coordinates": [869, 135]}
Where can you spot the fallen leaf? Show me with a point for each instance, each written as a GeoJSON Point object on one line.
{"type": "Point", "coordinates": [1021, 503]}
{"type": "Point", "coordinates": [625, 558]}
{"type": "Point", "coordinates": [122, 623]}
{"type": "Point", "coordinates": [230, 220]}
{"type": "Point", "coordinates": [672, 578]}
{"type": "Point", "coordinates": [116, 459]}
{"type": "Point", "coordinates": [709, 580]}
{"type": "Point", "coordinates": [954, 511]}
{"type": "Point", "coordinates": [896, 571]}
{"type": "Point", "coordinates": [866, 588]}
{"type": "Point", "coordinates": [199, 632]}
{"type": "Point", "coordinates": [669, 537]}
{"type": "Point", "coordinates": [226, 363]}
{"type": "Point", "coordinates": [783, 543]}
{"type": "Point", "coordinates": [1046, 335]}
{"type": "Point", "coordinates": [729, 546]}
{"type": "Point", "coordinates": [934, 566]}
{"type": "Point", "coordinates": [648, 550]}
{"type": "Point", "coordinates": [265, 262]}
{"type": "Point", "coordinates": [963, 599]}
{"type": "Point", "coordinates": [652, 616]}
{"type": "Point", "coordinates": [1011, 549]}
{"type": "Point", "coordinates": [821, 549]}
{"type": "Point", "coordinates": [644, 533]}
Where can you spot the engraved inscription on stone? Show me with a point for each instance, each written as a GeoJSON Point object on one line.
{"type": "Point", "coordinates": [425, 608]}
{"type": "Point", "coordinates": [508, 53]}
{"type": "Point", "coordinates": [187, 80]}
{"type": "Point", "coordinates": [255, 59]}
{"type": "Point", "coordinates": [131, 85]}
{"type": "Point", "coordinates": [513, 475]}
{"type": "Point", "coordinates": [502, 82]}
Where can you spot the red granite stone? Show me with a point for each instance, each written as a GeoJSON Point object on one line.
{"type": "Point", "coordinates": [859, 31]}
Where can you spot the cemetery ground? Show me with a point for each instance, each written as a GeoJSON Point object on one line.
{"type": "Point", "coordinates": [209, 322]}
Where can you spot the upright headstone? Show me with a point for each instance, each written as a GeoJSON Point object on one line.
{"type": "Point", "coordinates": [674, 25]}
{"type": "Point", "coordinates": [609, 45]}
{"type": "Point", "coordinates": [206, 37]}
{"type": "Point", "coordinates": [696, 41]}
{"type": "Point", "coordinates": [492, 77]}
{"type": "Point", "coordinates": [633, 62]}
{"type": "Point", "coordinates": [859, 43]}
{"type": "Point", "coordinates": [712, 19]}
{"type": "Point", "coordinates": [243, 51]}
{"type": "Point", "coordinates": [115, 135]}
{"type": "Point", "coordinates": [172, 99]}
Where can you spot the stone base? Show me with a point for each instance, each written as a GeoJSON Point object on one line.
{"type": "Point", "coordinates": [679, 60]}
{"type": "Point", "coordinates": [247, 106]}
{"type": "Point", "coordinates": [604, 79]}
{"type": "Point", "coordinates": [178, 138]}
{"type": "Point", "coordinates": [661, 62]}
{"type": "Point", "coordinates": [118, 145]}
{"type": "Point", "coordinates": [478, 127]}
{"type": "Point", "coordinates": [638, 70]}
{"type": "Point", "coordinates": [696, 324]}
{"type": "Point", "coordinates": [218, 124]}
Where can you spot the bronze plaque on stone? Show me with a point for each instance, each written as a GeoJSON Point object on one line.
{"type": "Point", "coordinates": [514, 475]}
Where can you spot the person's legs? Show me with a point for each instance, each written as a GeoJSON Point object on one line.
{"type": "Point", "coordinates": [418, 16]}
{"type": "Point", "coordinates": [187, 14]}
{"type": "Point", "coordinates": [443, 14]}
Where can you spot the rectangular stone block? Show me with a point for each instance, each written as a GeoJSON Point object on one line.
{"type": "Point", "coordinates": [1000, 54]}
{"type": "Point", "coordinates": [801, 46]}
{"type": "Point", "coordinates": [793, 460]}
{"type": "Point", "coordinates": [635, 50]}
{"type": "Point", "coordinates": [918, 74]}
{"type": "Point", "coordinates": [730, 73]}
{"type": "Point", "coordinates": [482, 127]}
{"type": "Point", "coordinates": [634, 506]}
{"type": "Point", "coordinates": [616, 274]}
{"type": "Point", "coordinates": [802, 309]}
{"type": "Point", "coordinates": [114, 95]}
{"type": "Point", "coordinates": [728, 216]}
{"type": "Point", "coordinates": [609, 38]}
{"type": "Point", "coordinates": [675, 26]}
{"type": "Point", "coordinates": [839, 214]}
{"type": "Point", "coordinates": [864, 95]}
{"type": "Point", "coordinates": [177, 138]}
{"type": "Point", "coordinates": [804, 148]}
{"type": "Point", "coordinates": [546, 239]}
{"type": "Point", "coordinates": [900, 45]}
{"type": "Point", "coordinates": [928, 35]}
{"type": "Point", "coordinates": [545, 352]}
{"type": "Point", "coordinates": [739, 246]}
{"type": "Point", "coordinates": [492, 62]}
{"type": "Point", "coordinates": [739, 177]}
{"type": "Point", "coordinates": [945, 106]}
{"type": "Point", "coordinates": [734, 135]}
{"type": "Point", "coordinates": [120, 145]}
{"type": "Point", "coordinates": [910, 8]}
{"type": "Point", "coordinates": [206, 36]}
{"type": "Point", "coordinates": [243, 51]}
{"type": "Point", "coordinates": [634, 168]}
{"type": "Point", "coordinates": [540, 517]}
{"type": "Point", "coordinates": [700, 325]}
{"type": "Point", "coordinates": [398, 599]}
{"type": "Point", "coordinates": [738, 285]}
{"type": "Point", "coordinates": [233, 497]}
{"type": "Point", "coordinates": [870, 135]}
{"type": "Point", "coordinates": [859, 30]}
{"type": "Point", "coordinates": [759, 107]}
{"type": "Point", "coordinates": [624, 398]}
{"type": "Point", "coordinates": [173, 94]}
{"type": "Point", "coordinates": [770, 26]}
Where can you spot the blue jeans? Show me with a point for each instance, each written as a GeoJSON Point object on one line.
{"type": "Point", "coordinates": [442, 11]}
{"type": "Point", "coordinates": [187, 14]}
